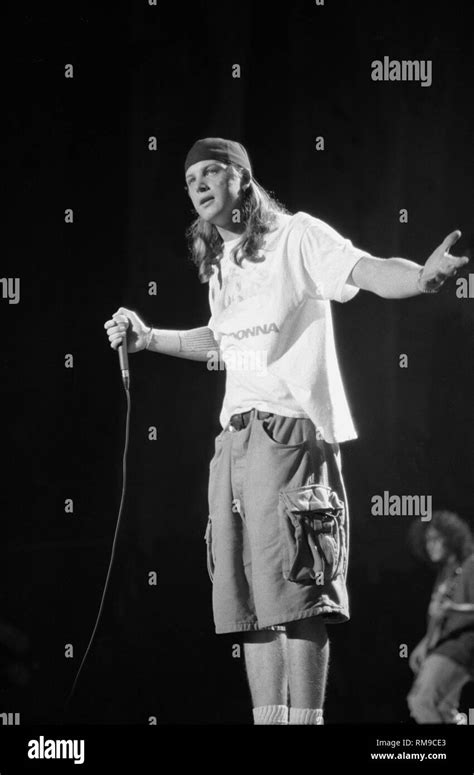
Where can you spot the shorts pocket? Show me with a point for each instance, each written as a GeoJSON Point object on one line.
{"type": "Point", "coordinates": [313, 533]}
{"type": "Point", "coordinates": [285, 431]}
{"type": "Point", "coordinates": [211, 563]}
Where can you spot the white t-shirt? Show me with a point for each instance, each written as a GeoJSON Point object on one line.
{"type": "Point", "coordinates": [273, 323]}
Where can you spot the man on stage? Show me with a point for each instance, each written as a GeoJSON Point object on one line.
{"type": "Point", "coordinates": [278, 529]}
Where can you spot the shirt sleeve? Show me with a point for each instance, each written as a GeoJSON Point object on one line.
{"type": "Point", "coordinates": [215, 333]}
{"type": "Point", "coordinates": [329, 259]}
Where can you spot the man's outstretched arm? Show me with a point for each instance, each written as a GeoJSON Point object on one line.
{"type": "Point", "coordinates": [398, 278]}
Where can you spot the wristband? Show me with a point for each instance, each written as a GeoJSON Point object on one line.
{"type": "Point", "coordinates": [150, 336]}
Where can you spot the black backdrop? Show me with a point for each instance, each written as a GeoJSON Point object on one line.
{"type": "Point", "coordinates": [82, 143]}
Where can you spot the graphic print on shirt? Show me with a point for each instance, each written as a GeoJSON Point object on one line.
{"type": "Point", "coordinates": [240, 283]}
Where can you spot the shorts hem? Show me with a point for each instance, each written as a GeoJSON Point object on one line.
{"type": "Point", "coordinates": [316, 610]}
{"type": "Point", "coordinates": [237, 627]}
{"type": "Point", "coordinates": [338, 615]}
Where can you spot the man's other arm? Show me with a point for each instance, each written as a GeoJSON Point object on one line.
{"type": "Point", "coordinates": [399, 278]}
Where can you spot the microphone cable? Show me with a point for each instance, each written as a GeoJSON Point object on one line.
{"type": "Point", "coordinates": [126, 383]}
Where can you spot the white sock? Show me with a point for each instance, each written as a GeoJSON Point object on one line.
{"type": "Point", "coordinates": [270, 714]}
{"type": "Point", "coordinates": [306, 716]}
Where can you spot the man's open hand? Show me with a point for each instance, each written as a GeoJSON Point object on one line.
{"type": "Point", "coordinates": [441, 264]}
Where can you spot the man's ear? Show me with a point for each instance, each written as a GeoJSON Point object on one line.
{"type": "Point", "coordinates": [245, 179]}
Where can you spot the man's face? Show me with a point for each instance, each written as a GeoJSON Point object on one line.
{"type": "Point", "coordinates": [435, 545]}
{"type": "Point", "coordinates": [214, 189]}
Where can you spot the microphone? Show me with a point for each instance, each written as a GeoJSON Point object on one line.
{"type": "Point", "coordinates": [123, 360]}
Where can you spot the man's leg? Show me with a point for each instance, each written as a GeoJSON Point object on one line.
{"type": "Point", "coordinates": [449, 703]}
{"type": "Point", "coordinates": [436, 691]}
{"type": "Point", "coordinates": [308, 658]}
{"type": "Point", "coordinates": [265, 661]}
{"type": "Point", "coordinates": [287, 454]}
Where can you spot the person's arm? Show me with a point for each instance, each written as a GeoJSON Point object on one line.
{"type": "Point", "coordinates": [463, 598]}
{"type": "Point", "coordinates": [466, 608]}
{"type": "Point", "coordinates": [398, 278]}
{"type": "Point", "coordinates": [197, 344]}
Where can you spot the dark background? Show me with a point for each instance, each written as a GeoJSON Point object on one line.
{"type": "Point", "coordinates": [166, 71]}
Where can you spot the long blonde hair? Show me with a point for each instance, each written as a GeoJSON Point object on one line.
{"type": "Point", "coordinates": [258, 212]}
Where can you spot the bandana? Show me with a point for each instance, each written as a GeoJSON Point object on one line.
{"type": "Point", "coordinates": [221, 150]}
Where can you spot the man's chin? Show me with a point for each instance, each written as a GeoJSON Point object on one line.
{"type": "Point", "coordinates": [209, 216]}
{"type": "Point", "coordinates": [217, 219]}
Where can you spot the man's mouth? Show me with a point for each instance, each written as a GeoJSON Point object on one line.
{"type": "Point", "coordinates": [205, 200]}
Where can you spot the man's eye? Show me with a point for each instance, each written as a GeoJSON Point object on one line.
{"type": "Point", "coordinates": [212, 171]}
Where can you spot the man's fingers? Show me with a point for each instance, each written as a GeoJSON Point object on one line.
{"type": "Point", "coordinates": [121, 319]}
{"type": "Point", "coordinates": [451, 239]}
{"type": "Point", "coordinates": [461, 260]}
{"type": "Point", "coordinates": [456, 262]}
{"type": "Point", "coordinates": [117, 320]}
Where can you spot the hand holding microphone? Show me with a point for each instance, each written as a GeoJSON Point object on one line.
{"type": "Point", "coordinates": [126, 325]}
{"type": "Point", "coordinates": [127, 333]}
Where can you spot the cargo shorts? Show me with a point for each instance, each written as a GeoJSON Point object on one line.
{"type": "Point", "coordinates": [278, 529]}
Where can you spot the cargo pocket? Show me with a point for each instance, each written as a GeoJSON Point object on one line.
{"type": "Point", "coordinates": [313, 533]}
{"type": "Point", "coordinates": [210, 555]}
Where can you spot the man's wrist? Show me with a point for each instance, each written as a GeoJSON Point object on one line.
{"type": "Point", "coordinates": [427, 286]}
{"type": "Point", "coordinates": [159, 340]}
